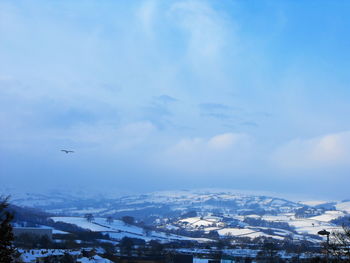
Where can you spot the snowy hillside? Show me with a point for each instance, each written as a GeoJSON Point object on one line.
{"type": "Point", "coordinates": [192, 215]}
{"type": "Point", "coordinates": [158, 202]}
{"type": "Point", "coordinates": [118, 229]}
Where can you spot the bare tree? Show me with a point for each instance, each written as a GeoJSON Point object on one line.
{"type": "Point", "coordinates": [89, 217]}
{"type": "Point", "coordinates": [339, 244]}
{"type": "Point", "coordinates": [109, 220]}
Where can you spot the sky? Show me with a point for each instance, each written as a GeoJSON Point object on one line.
{"type": "Point", "coordinates": [159, 94]}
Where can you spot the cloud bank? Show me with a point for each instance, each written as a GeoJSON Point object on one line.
{"type": "Point", "coordinates": [330, 150]}
{"type": "Point", "coordinates": [167, 94]}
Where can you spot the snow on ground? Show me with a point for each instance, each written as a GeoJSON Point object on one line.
{"type": "Point", "coordinates": [314, 202]}
{"type": "Point", "coordinates": [198, 222]}
{"type": "Point", "coordinates": [277, 231]}
{"type": "Point", "coordinates": [89, 210]}
{"type": "Point", "coordinates": [245, 232]}
{"type": "Point", "coordinates": [237, 252]}
{"type": "Point", "coordinates": [94, 259]}
{"type": "Point", "coordinates": [36, 255]}
{"type": "Point", "coordinates": [328, 216]}
{"type": "Point", "coordinates": [279, 218]}
{"type": "Point", "coordinates": [208, 229]}
{"type": "Point", "coordinates": [256, 234]}
{"type": "Point", "coordinates": [32, 255]}
{"type": "Point", "coordinates": [302, 225]}
{"type": "Point", "coordinates": [235, 231]}
{"type": "Point", "coordinates": [100, 225]}
{"type": "Point", "coordinates": [55, 231]}
{"type": "Point", "coordinates": [162, 237]}
{"type": "Point", "coordinates": [206, 260]}
{"type": "Point", "coordinates": [171, 227]}
{"type": "Point", "coordinates": [241, 252]}
{"type": "Point", "coordinates": [118, 229]}
{"type": "Point", "coordinates": [310, 226]}
{"type": "Point", "coordinates": [344, 206]}
{"type": "Point", "coordinates": [81, 222]}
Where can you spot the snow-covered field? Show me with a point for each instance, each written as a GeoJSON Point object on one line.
{"type": "Point", "coordinates": [301, 226]}
{"type": "Point", "coordinates": [39, 255]}
{"type": "Point", "coordinates": [33, 255]}
{"type": "Point", "coordinates": [344, 206]}
{"type": "Point", "coordinates": [118, 229]}
{"type": "Point", "coordinates": [328, 216]}
{"type": "Point", "coordinates": [201, 222]}
{"type": "Point", "coordinates": [223, 211]}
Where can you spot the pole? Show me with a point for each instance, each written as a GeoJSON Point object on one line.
{"type": "Point", "coordinates": [327, 255]}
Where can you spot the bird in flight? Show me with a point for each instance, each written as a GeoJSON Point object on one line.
{"type": "Point", "coordinates": [67, 151]}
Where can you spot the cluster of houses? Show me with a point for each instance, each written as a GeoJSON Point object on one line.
{"type": "Point", "coordinates": [41, 255]}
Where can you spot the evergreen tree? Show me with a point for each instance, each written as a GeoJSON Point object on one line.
{"type": "Point", "coordinates": [7, 250]}
{"type": "Point", "coordinates": [126, 245]}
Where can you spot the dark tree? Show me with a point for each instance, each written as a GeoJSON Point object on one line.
{"type": "Point", "coordinates": [126, 245]}
{"type": "Point", "coordinates": [129, 220]}
{"type": "Point", "coordinates": [108, 248]}
{"type": "Point", "coordinates": [89, 217]}
{"type": "Point", "coordinates": [189, 214]}
{"type": "Point", "coordinates": [7, 250]}
{"type": "Point", "coordinates": [67, 258]}
{"type": "Point", "coordinates": [109, 220]}
{"type": "Point", "coordinates": [155, 247]}
{"type": "Point", "coordinates": [268, 252]}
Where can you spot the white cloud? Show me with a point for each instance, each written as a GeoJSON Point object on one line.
{"type": "Point", "coordinates": [224, 141]}
{"type": "Point", "coordinates": [328, 151]}
{"type": "Point", "coordinates": [219, 153]}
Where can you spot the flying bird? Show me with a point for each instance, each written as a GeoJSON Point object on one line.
{"type": "Point", "coordinates": [67, 151]}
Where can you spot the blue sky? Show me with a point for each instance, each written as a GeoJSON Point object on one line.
{"type": "Point", "coordinates": [176, 94]}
